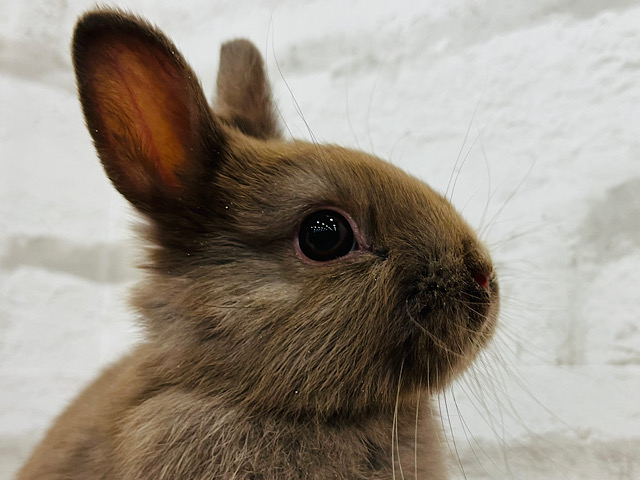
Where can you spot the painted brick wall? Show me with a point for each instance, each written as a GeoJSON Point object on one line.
{"type": "Point", "coordinates": [540, 103]}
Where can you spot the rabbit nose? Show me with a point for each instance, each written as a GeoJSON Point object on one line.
{"type": "Point", "coordinates": [481, 276]}
{"type": "Point", "coordinates": [477, 264]}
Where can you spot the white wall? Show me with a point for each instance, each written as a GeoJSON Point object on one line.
{"type": "Point", "coordinates": [550, 93]}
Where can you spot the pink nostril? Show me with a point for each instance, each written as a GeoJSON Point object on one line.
{"type": "Point", "coordinates": [481, 278]}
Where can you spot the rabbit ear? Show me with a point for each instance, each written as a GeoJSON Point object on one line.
{"type": "Point", "coordinates": [144, 108]}
{"type": "Point", "coordinates": [243, 95]}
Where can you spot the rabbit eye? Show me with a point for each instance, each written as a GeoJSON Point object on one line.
{"type": "Point", "coordinates": [326, 235]}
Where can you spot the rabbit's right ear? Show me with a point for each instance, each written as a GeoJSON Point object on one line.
{"type": "Point", "coordinates": [145, 110]}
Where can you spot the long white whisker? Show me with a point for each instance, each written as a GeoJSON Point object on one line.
{"type": "Point", "coordinates": [508, 199]}
{"type": "Point", "coordinates": [375, 86]}
{"type": "Point", "coordinates": [353, 132]}
{"type": "Point", "coordinates": [395, 426]}
{"type": "Point", "coordinates": [466, 156]}
{"type": "Point", "coordinates": [266, 58]}
{"type": "Point", "coordinates": [453, 439]}
{"type": "Point", "coordinates": [393, 433]}
{"type": "Point", "coordinates": [464, 141]}
{"type": "Point", "coordinates": [415, 437]}
{"type": "Point", "coordinates": [295, 102]}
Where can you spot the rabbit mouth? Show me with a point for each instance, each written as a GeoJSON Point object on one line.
{"type": "Point", "coordinates": [469, 295]}
{"type": "Point", "coordinates": [452, 315]}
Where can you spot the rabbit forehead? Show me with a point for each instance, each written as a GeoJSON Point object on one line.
{"type": "Point", "coordinates": [295, 178]}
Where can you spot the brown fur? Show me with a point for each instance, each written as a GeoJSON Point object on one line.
{"type": "Point", "coordinates": [257, 364]}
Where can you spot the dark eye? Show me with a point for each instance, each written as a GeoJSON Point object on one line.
{"type": "Point", "coordinates": [326, 235]}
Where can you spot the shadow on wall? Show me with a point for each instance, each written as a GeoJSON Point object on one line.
{"type": "Point", "coordinates": [577, 460]}
{"type": "Point", "coordinates": [612, 228]}
{"type": "Point", "coordinates": [99, 262]}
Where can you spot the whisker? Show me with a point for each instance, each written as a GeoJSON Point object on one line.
{"type": "Point", "coordinates": [295, 102]}
{"type": "Point", "coordinates": [464, 141]}
{"type": "Point", "coordinates": [508, 199]}
{"type": "Point", "coordinates": [373, 91]}
{"type": "Point", "coordinates": [464, 160]}
{"type": "Point", "coordinates": [487, 415]}
{"type": "Point", "coordinates": [266, 57]}
{"type": "Point", "coordinates": [465, 428]}
{"type": "Point", "coordinates": [355, 137]}
{"type": "Point", "coordinates": [415, 435]}
{"type": "Point", "coordinates": [394, 428]}
{"type": "Point", "coordinates": [453, 438]}
{"type": "Point", "coordinates": [402, 138]}
{"type": "Point", "coordinates": [397, 436]}
{"type": "Point", "coordinates": [489, 191]}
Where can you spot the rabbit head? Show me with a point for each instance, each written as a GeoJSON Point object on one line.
{"type": "Point", "coordinates": [283, 276]}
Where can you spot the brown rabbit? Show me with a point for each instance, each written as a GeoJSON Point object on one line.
{"type": "Point", "coordinates": [302, 302]}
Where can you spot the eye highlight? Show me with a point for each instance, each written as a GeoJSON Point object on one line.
{"type": "Point", "coordinates": [326, 235]}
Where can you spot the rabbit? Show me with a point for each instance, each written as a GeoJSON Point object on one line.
{"type": "Point", "coordinates": [302, 304]}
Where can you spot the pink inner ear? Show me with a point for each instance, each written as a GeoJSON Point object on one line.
{"type": "Point", "coordinates": [141, 100]}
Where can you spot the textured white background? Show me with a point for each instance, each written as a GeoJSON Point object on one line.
{"type": "Point", "coordinates": [550, 170]}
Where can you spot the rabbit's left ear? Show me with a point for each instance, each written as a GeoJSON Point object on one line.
{"type": "Point", "coordinates": [243, 93]}
{"type": "Point", "coordinates": [145, 110]}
